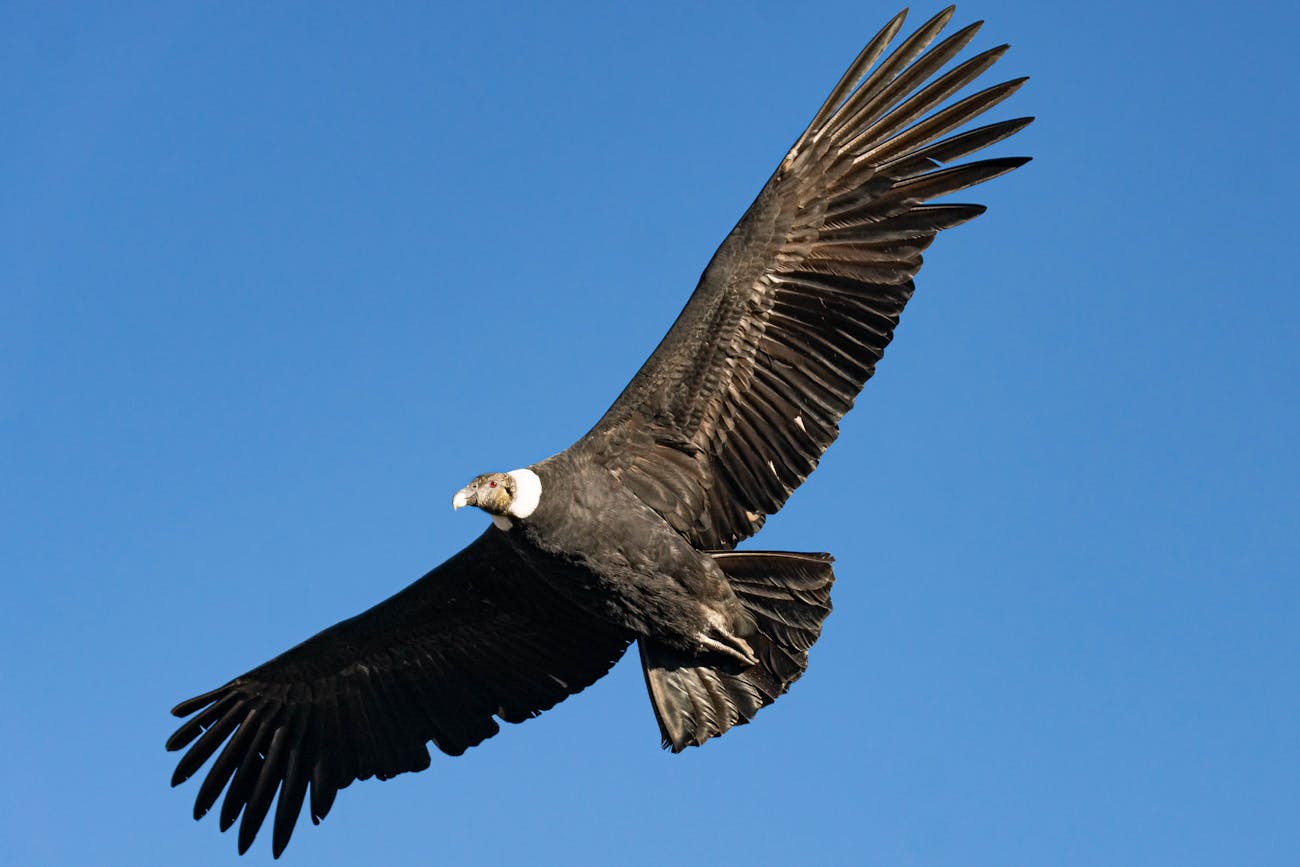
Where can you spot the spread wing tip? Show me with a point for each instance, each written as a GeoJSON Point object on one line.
{"type": "Point", "coordinates": [198, 702]}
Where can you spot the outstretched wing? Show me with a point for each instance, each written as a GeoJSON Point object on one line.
{"type": "Point", "coordinates": [738, 403]}
{"type": "Point", "coordinates": [479, 637]}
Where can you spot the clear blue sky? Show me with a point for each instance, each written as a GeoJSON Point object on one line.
{"type": "Point", "coordinates": [248, 256]}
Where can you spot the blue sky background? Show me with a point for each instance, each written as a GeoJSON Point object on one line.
{"type": "Point", "coordinates": [248, 256]}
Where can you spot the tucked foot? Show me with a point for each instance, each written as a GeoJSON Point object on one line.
{"type": "Point", "coordinates": [730, 645]}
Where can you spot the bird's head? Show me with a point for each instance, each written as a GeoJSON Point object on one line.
{"type": "Point", "coordinates": [514, 494]}
{"type": "Point", "coordinates": [493, 493]}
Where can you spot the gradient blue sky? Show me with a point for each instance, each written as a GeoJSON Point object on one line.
{"type": "Point", "coordinates": [248, 257]}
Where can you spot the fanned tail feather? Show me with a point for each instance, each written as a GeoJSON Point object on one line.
{"type": "Point", "coordinates": [788, 595]}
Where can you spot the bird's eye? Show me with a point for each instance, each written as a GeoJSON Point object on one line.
{"type": "Point", "coordinates": [492, 484]}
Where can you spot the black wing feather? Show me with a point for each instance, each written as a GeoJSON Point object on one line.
{"type": "Point", "coordinates": [743, 395]}
{"type": "Point", "coordinates": [478, 637]}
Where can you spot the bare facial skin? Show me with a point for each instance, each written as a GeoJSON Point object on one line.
{"type": "Point", "coordinates": [494, 493]}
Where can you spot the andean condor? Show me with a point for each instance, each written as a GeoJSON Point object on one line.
{"type": "Point", "coordinates": [627, 535]}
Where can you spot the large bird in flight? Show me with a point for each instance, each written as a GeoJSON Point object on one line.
{"type": "Point", "coordinates": [628, 534]}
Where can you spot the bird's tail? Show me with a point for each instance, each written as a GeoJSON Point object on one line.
{"type": "Point", "coordinates": [788, 595]}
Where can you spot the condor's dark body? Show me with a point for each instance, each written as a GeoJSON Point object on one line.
{"type": "Point", "coordinates": [638, 572]}
{"type": "Point", "coordinates": [632, 535]}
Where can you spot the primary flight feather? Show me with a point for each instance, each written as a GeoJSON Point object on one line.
{"type": "Point", "coordinates": [628, 534]}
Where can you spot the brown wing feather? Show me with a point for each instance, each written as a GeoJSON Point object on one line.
{"type": "Point", "coordinates": [478, 638]}
{"type": "Point", "coordinates": [738, 403]}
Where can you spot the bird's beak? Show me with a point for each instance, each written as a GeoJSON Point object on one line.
{"type": "Point", "coordinates": [464, 497]}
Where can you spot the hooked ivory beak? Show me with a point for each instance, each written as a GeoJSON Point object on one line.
{"type": "Point", "coordinates": [462, 498]}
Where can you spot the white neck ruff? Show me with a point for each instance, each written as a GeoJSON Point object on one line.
{"type": "Point", "coordinates": [528, 492]}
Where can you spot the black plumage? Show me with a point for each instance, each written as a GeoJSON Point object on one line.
{"type": "Point", "coordinates": [628, 534]}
